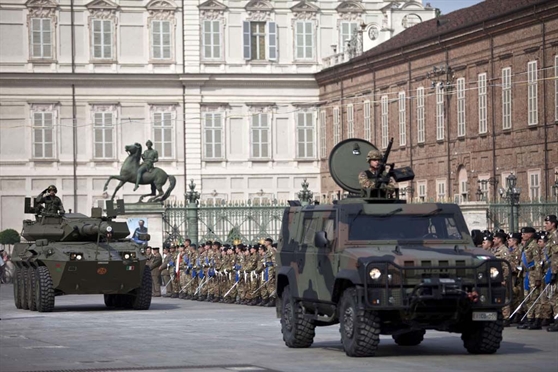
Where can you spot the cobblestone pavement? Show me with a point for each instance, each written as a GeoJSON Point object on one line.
{"type": "Point", "coordinates": [177, 335]}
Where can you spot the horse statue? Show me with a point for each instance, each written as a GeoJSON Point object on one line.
{"type": "Point", "coordinates": [156, 177]}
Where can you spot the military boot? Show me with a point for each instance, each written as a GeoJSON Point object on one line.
{"type": "Point", "coordinates": [270, 303]}
{"type": "Point", "coordinates": [209, 298]}
{"type": "Point", "coordinates": [182, 296]}
{"type": "Point", "coordinates": [526, 324]}
{"type": "Point", "coordinates": [264, 302]}
{"type": "Point", "coordinates": [536, 324]}
{"type": "Point", "coordinates": [546, 322]}
{"type": "Point", "coordinates": [507, 323]}
{"type": "Point", "coordinates": [553, 327]}
{"type": "Point", "coordinates": [174, 295]}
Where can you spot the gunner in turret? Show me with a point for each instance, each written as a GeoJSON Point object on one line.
{"type": "Point", "coordinates": [52, 203]}
{"type": "Point", "coordinates": [370, 178]}
{"type": "Point", "coordinates": [150, 157]}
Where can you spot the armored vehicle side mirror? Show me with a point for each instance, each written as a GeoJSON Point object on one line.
{"type": "Point", "coordinates": [144, 236]}
{"type": "Point", "coordinates": [320, 239]}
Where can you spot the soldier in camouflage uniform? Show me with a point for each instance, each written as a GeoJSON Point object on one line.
{"type": "Point", "coordinates": [550, 224]}
{"type": "Point", "coordinates": [501, 251]}
{"type": "Point", "coordinates": [216, 264]}
{"type": "Point", "coordinates": [369, 179]}
{"type": "Point", "coordinates": [530, 259]}
{"type": "Point", "coordinates": [164, 268]}
{"type": "Point", "coordinates": [244, 282]}
{"type": "Point", "coordinates": [488, 243]}
{"type": "Point", "coordinates": [174, 284]}
{"type": "Point", "coordinates": [517, 274]}
{"type": "Point", "coordinates": [268, 291]}
{"type": "Point", "coordinates": [546, 310]}
{"type": "Point", "coordinates": [154, 264]}
{"type": "Point", "coordinates": [253, 279]}
{"type": "Point", "coordinates": [182, 266]}
{"type": "Point", "coordinates": [52, 203]}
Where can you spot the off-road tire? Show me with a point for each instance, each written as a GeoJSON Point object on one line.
{"type": "Point", "coordinates": [297, 331]}
{"type": "Point", "coordinates": [360, 328]}
{"type": "Point", "coordinates": [17, 288]}
{"type": "Point", "coordinates": [31, 285]}
{"type": "Point", "coordinates": [483, 337]}
{"type": "Point", "coordinates": [412, 338]}
{"type": "Point", "coordinates": [142, 297]}
{"type": "Point", "coordinates": [24, 288]}
{"type": "Point", "coordinates": [44, 290]}
{"type": "Point", "coordinates": [110, 300]}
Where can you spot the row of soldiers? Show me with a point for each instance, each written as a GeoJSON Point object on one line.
{"type": "Point", "coordinates": [533, 258]}
{"type": "Point", "coordinates": [218, 273]}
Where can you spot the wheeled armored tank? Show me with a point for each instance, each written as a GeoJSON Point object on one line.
{"type": "Point", "coordinates": [377, 265]}
{"type": "Point", "coordinates": [76, 254]}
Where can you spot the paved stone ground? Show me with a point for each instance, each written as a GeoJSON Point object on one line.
{"type": "Point", "coordinates": [177, 335]}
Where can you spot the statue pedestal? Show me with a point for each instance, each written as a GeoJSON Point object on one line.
{"type": "Point", "coordinates": [152, 214]}
{"type": "Point", "coordinates": [475, 215]}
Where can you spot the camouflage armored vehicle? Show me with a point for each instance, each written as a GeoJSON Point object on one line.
{"type": "Point", "coordinates": [76, 254]}
{"type": "Point", "coordinates": [378, 265]}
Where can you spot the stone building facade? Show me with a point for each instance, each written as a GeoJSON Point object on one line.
{"type": "Point", "coordinates": [470, 96]}
{"type": "Point", "coordinates": [225, 89]}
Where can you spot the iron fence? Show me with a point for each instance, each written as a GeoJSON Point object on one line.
{"type": "Point", "coordinates": [528, 214]}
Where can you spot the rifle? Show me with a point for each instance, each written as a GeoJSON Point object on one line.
{"type": "Point", "coordinates": [382, 167]}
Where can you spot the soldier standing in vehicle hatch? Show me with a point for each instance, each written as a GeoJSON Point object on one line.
{"type": "Point", "coordinates": [53, 204]}
{"type": "Point", "coordinates": [368, 179]}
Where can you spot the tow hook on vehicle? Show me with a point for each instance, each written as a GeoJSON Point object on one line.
{"type": "Point", "coordinates": [473, 296]}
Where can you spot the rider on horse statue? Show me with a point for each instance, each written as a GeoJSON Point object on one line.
{"type": "Point", "coordinates": [150, 156]}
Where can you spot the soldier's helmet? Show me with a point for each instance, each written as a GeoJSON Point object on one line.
{"type": "Point", "coordinates": [374, 155]}
{"type": "Point", "coordinates": [52, 187]}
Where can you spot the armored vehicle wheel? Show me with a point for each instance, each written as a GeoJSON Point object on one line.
{"type": "Point", "coordinates": [31, 285]}
{"type": "Point", "coordinates": [44, 290]}
{"type": "Point", "coordinates": [483, 337]}
{"type": "Point", "coordinates": [142, 298]}
{"type": "Point", "coordinates": [24, 288]}
{"type": "Point", "coordinates": [110, 300]}
{"type": "Point", "coordinates": [297, 331]}
{"type": "Point", "coordinates": [17, 288]}
{"type": "Point", "coordinates": [360, 329]}
{"type": "Point", "coordinates": [412, 338]}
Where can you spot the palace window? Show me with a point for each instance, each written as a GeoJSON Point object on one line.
{"type": "Point", "coordinates": [163, 133]}
{"type": "Point", "coordinates": [305, 135]}
{"type": "Point", "coordinates": [506, 98]}
{"type": "Point", "coordinates": [259, 40]}
{"type": "Point", "coordinates": [260, 131]}
{"type": "Point", "coordinates": [532, 93]}
{"type": "Point", "coordinates": [104, 134]}
{"type": "Point", "coordinates": [461, 107]}
{"type": "Point", "coordinates": [336, 126]}
{"type": "Point", "coordinates": [211, 39]}
{"type": "Point", "coordinates": [385, 121]}
{"type": "Point", "coordinates": [439, 112]}
{"type": "Point", "coordinates": [351, 120]}
{"type": "Point", "coordinates": [43, 134]}
{"type": "Point", "coordinates": [161, 40]}
{"type": "Point", "coordinates": [420, 115]}
{"type": "Point", "coordinates": [402, 119]}
{"type": "Point", "coordinates": [483, 124]}
{"type": "Point", "coordinates": [304, 40]}
{"type": "Point", "coordinates": [367, 126]}
{"type": "Point", "coordinates": [213, 135]}
{"type": "Point", "coordinates": [102, 39]}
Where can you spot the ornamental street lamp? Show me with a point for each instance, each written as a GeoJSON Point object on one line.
{"type": "Point", "coordinates": [403, 192]}
{"type": "Point", "coordinates": [482, 191]}
{"type": "Point", "coordinates": [305, 195]}
{"type": "Point", "coordinates": [511, 194]}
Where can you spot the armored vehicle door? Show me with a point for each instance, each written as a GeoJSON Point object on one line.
{"type": "Point", "coordinates": [328, 259]}
{"type": "Point", "coordinates": [306, 256]}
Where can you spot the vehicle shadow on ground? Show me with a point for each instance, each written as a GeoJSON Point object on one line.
{"type": "Point", "coordinates": [440, 346]}
{"type": "Point", "coordinates": [88, 307]}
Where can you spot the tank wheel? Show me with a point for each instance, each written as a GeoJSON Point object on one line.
{"type": "Point", "coordinates": [31, 285]}
{"type": "Point", "coordinates": [110, 300]}
{"type": "Point", "coordinates": [44, 290]}
{"type": "Point", "coordinates": [17, 288]}
{"type": "Point", "coordinates": [142, 298]}
{"type": "Point", "coordinates": [24, 288]}
{"type": "Point", "coordinates": [412, 338]}
{"type": "Point", "coordinates": [298, 332]}
{"type": "Point", "coordinates": [483, 337]}
{"type": "Point", "coordinates": [360, 328]}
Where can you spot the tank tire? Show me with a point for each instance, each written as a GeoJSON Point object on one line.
{"type": "Point", "coordinates": [360, 328]}
{"type": "Point", "coordinates": [17, 285]}
{"type": "Point", "coordinates": [44, 290]}
{"type": "Point", "coordinates": [31, 286]}
{"type": "Point", "coordinates": [110, 300]}
{"type": "Point", "coordinates": [298, 332]}
{"type": "Point", "coordinates": [141, 300]}
{"type": "Point", "coordinates": [127, 301]}
{"type": "Point", "coordinates": [412, 338]}
{"type": "Point", "coordinates": [24, 288]}
{"type": "Point", "coordinates": [119, 300]}
{"type": "Point", "coordinates": [483, 337]}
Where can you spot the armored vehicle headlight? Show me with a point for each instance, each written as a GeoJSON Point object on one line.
{"type": "Point", "coordinates": [480, 276]}
{"type": "Point", "coordinates": [72, 256]}
{"type": "Point", "coordinates": [126, 256]}
{"type": "Point", "coordinates": [375, 273]}
{"type": "Point", "coordinates": [79, 257]}
{"type": "Point", "coordinates": [494, 273]}
{"type": "Point", "coordinates": [109, 228]}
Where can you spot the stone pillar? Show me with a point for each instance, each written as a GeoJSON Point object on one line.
{"type": "Point", "coordinates": [152, 213]}
{"type": "Point", "coordinates": [475, 214]}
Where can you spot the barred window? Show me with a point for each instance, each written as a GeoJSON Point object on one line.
{"type": "Point", "coordinates": [213, 135]}
{"type": "Point", "coordinates": [336, 126]}
{"type": "Point", "coordinates": [260, 136]}
{"type": "Point", "coordinates": [439, 112]}
{"type": "Point", "coordinates": [103, 128]}
{"type": "Point", "coordinates": [350, 120]}
{"type": "Point", "coordinates": [305, 135]}
{"type": "Point", "coordinates": [163, 129]}
{"type": "Point", "coordinates": [402, 119]}
{"type": "Point", "coordinates": [161, 39]}
{"type": "Point", "coordinates": [506, 98]}
{"type": "Point", "coordinates": [41, 37]}
{"type": "Point", "coordinates": [534, 186]}
{"type": "Point", "coordinates": [367, 126]}
{"type": "Point", "coordinates": [532, 93]}
{"type": "Point", "coordinates": [461, 107]}
{"type": "Point", "coordinates": [420, 115]}
{"type": "Point", "coordinates": [483, 125]}
{"type": "Point", "coordinates": [385, 121]}
{"type": "Point", "coordinates": [43, 135]}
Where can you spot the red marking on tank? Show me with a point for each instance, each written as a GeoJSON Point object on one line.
{"type": "Point", "coordinates": [101, 271]}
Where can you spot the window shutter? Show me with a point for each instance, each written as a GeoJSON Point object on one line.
{"type": "Point", "coordinates": [272, 40]}
{"type": "Point", "coordinates": [246, 40]}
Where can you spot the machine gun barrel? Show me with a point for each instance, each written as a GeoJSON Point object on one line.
{"type": "Point", "coordinates": [382, 167]}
